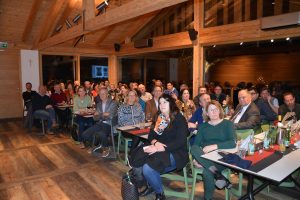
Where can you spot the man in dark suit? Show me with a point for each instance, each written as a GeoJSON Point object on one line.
{"type": "Point", "coordinates": [246, 115]}
{"type": "Point", "coordinates": [152, 105]}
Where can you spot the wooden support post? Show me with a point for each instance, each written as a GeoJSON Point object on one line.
{"type": "Point", "coordinates": [278, 7]}
{"type": "Point", "coordinates": [88, 6]}
{"type": "Point", "coordinates": [198, 52]}
{"type": "Point", "coordinates": [113, 69]}
{"type": "Point", "coordinates": [77, 68]}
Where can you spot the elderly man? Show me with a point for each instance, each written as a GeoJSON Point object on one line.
{"type": "Point", "coordinates": [105, 116]}
{"type": "Point", "coordinates": [197, 117]}
{"type": "Point", "coordinates": [145, 96]}
{"type": "Point", "coordinates": [152, 105]}
{"type": "Point", "coordinates": [42, 108]}
{"type": "Point", "coordinates": [289, 105]}
{"type": "Point", "coordinates": [246, 114]}
{"type": "Point", "coordinates": [201, 90]}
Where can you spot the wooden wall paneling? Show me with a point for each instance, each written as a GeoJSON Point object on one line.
{"type": "Point", "coordinates": [259, 9]}
{"type": "Point", "coordinates": [294, 6]}
{"type": "Point", "coordinates": [278, 7]}
{"type": "Point", "coordinates": [247, 10]}
{"type": "Point", "coordinates": [248, 68]}
{"type": "Point", "coordinates": [237, 11]}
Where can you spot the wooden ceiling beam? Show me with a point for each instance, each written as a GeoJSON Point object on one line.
{"type": "Point", "coordinates": [63, 50]}
{"type": "Point", "coordinates": [34, 9]}
{"type": "Point", "coordinates": [125, 12]}
{"type": "Point", "coordinates": [160, 43]}
{"type": "Point", "coordinates": [136, 27]}
{"type": "Point", "coordinates": [243, 32]}
{"type": "Point", "coordinates": [88, 6]}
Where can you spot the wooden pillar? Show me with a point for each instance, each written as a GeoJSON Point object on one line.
{"type": "Point", "coordinates": [198, 52]}
{"type": "Point", "coordinates": [278, 7]}
{"type": "Point", "coordinates": [113, 66]}
{"type": "Point", "coordinates": [88, 7]}
{"type": "Point", "coordinates": [77, 68]}
{"type": "Point", "coordinates": [225, 12]}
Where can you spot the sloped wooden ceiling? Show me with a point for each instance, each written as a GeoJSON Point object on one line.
{"type": "Point", "coordinates": [27, 23]}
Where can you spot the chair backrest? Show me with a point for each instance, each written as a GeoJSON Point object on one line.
{"type": "Point", "coordinates": [243, 134]}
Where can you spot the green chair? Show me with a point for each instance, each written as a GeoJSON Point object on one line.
{"type": "Point", "coordinates": [174, 176]}
{"type": "Point", "coordinates": [126, 142]}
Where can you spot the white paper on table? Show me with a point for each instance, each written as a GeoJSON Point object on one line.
{"type": "Point", "coordinates": [124, 128]}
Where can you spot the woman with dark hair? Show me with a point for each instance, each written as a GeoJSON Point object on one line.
{"type": "Point", "coordinates": [215, 133]}
{"type": "Point", "coordinates": [185, 104]}
{"type": "Point", "coordinates": [168, 145]}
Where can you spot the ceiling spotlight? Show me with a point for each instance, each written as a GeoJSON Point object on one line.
{"type": "Point", "coordinates": [272, 40]}
{"type": "Point", "coordinates": [101, 7]}
{"type": "Point", "coordinates": [58, 28]}
{"type": "Point", "coordinates": [214, 46]}
{"type": "Point", "coordinates": [241, 43]}
{"type": "Point", "coordinates": [287, 38]}
{"type": "Point", "coordinates": [76, 19]}
{"type": "Point", "coordinates": [68, 24]}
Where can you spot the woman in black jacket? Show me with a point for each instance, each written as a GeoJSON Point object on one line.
{"type": "Point", "coordinates": [168, 150]}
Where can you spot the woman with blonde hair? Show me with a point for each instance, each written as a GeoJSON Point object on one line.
{"type": "Point", "coordinates": [131, 113]}
{"type": "Point", "coordinates": [215, 133]}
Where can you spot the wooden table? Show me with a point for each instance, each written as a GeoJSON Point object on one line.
{"type": "Point", "coordinates": [275, 172]}
{"type": "Point", "coordinates": [137, 130]}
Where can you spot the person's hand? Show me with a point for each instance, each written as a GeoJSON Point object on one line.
{"type": "Point", "coordinates": [196, 164]}
{"type": "Point", "coordinates": [151, 149]}
{"type": "Point", "coordinates": [48, 106]}
{"type": "Point", "coordinates": [105, 114]}
{"type": "Point", "coordinates": [269, 98]}
{"type": "Point", "coordinates": [210, 148]}
{"type": "Point", "coordinates": [160, 146]}
{"type": "Point", "coordinates": [96, 113]}
{"type": "Point", "coordinates": [192, 125]}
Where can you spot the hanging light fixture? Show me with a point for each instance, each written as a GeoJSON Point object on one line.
{"type": "Point", "coordinates": [76, 19]}
{"type": "Point", "coordinates": [68, 24]}
{"type": "Point", "coordinates": [102, 6]}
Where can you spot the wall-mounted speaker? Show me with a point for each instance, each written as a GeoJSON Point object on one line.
{"type": "Point", "coordinates": [193, 34]}
{"type": "Point", "coordinates": [143, 43]}
{"type": "Point", "coordinates": [117, 46]}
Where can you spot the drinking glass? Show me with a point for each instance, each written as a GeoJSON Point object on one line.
{"type": "Point", "coordinates": [282, 146]}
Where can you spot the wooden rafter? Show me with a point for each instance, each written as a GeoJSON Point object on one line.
{"type": "Point", "coordinates": [65, 13]}
{"type": "Point", "coordinates": [34, 9]}
{"type": "Point", "coordinates": [125, 12]}
{"type": "Point", "coordinates": [49, 18]}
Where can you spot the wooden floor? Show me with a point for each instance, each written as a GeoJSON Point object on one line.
{"type": "Point", "coordinates": [54, 168]}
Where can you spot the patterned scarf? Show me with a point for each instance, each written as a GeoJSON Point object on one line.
{"type": "Point", "coordinates": [161, 124]}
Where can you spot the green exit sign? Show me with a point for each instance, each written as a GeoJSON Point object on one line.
{"type": "Point", "coordinates": [3, 45]}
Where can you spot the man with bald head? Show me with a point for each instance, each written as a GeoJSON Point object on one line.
{"type": "Point", "coordinates": [246, 114]}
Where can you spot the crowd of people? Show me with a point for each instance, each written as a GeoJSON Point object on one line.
{"type": "Point", "coordinates": [212, 116]}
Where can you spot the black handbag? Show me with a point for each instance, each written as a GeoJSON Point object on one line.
{"type": "Point", "coordinates": [129, 190]}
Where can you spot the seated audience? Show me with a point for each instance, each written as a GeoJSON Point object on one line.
{"type": "Point", "coordinates": [131, 113]}
{"type": "Point", "coordinates": [266, 112]}
{"type": "Point", "coordinates": [246, 114]}
{"type": "Point", "coordinates": [123, 94]}
{"type": "Point", "coordinates": [201, 90]}
{"type": "Point", "coordinates": [168, 147]}
{"type": "Point", "coordinates": [70, 93]}
{"type": "Point", "coordinates": [95, 90]}
{"type": "Point", "coordinates": [215, 133]}
{"type": "Point", "coordinates": [88, 87]}
{"type": "Point", "coordinates": [218, 95]}
{"type": "Point", "coordinates": [113, 91]}
{"type": "Point", "coordinates": [289, 105]}
{"type": "Point", "coordinates": [186, 105]}
{"type": "Point", "coordinates": [171, 89]}
{"type": "Point", "coordinates": [81, 103]}
{"type": "Point", "coordinates": [197, 117]}
{"type": "Point", "coordinates": [272, 101]}
{"type": "Point", "coordinates": [145, 96]}
{"type": "Point", "coordinates": [141, 101]}
{"type": "Point", "coordinates": [42, 108]}
{"type": "Point", "coordinates": [183, 86]}
{"type": "Point", "coordinates": [59, 98]}
{"type": "Point", "coordinates": [152, 105]}
{"type": "Point", "coordinates": [27, 97]}
{"type": "Point", "coordinates": [105, 115]}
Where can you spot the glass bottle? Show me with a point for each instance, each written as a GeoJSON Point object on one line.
{"type": "Point", "coordinates": [251, 145]}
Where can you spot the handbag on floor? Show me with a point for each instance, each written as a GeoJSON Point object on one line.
{"type": "Point", "coordinates": [129, 190]}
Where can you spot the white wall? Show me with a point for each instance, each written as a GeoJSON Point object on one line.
{"type": "Point", "coordinates": [30, 68]}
